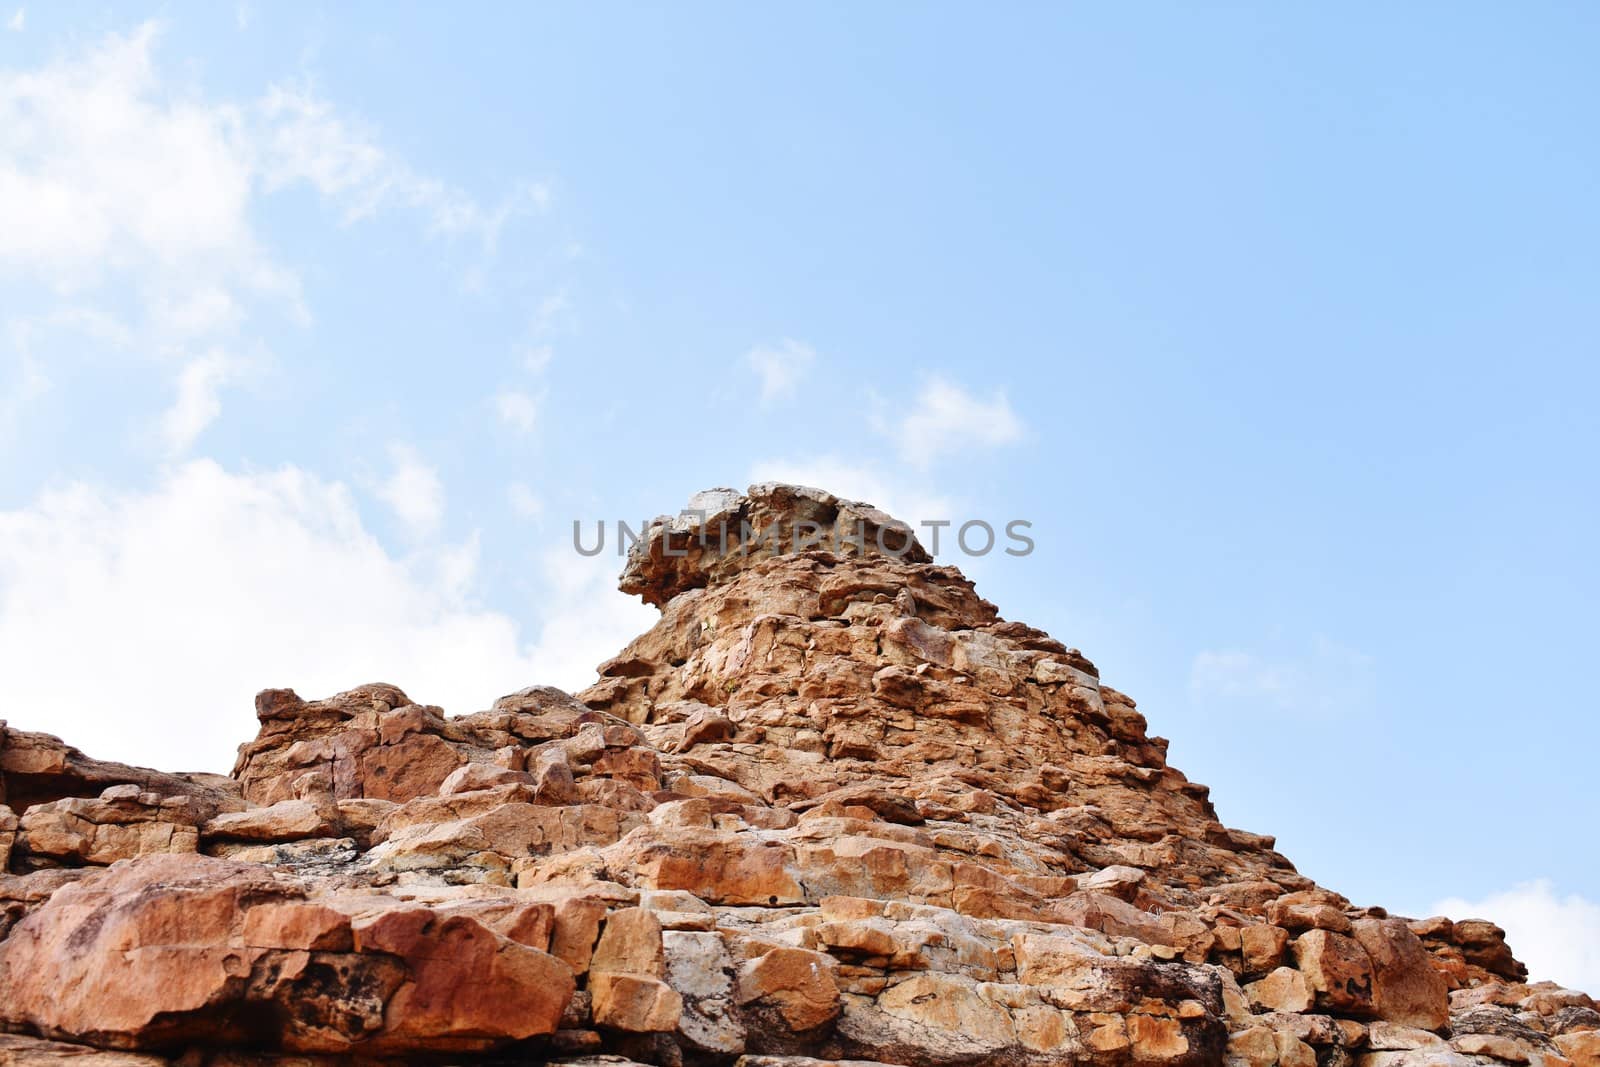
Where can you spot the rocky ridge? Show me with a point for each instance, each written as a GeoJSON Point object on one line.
{"type": "Point", "coordinates": [831, 808]}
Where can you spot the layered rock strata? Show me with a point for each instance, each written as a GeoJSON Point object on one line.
{"type": "Point", "coordinates": [831, 808]}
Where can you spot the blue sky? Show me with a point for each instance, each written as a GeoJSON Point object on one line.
{"type": "Point", "coordinates": [320, 323]}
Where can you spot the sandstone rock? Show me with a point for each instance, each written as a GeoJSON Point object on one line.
{"type": "Point", "coordinates": [1483, 944]}
{"type": "Point", "coordinates": [123, 822]}
{"type": "Point", "coordinates": [1338, 971]}
{"type": "Point", "coordinates": [1292, 1052]}
{"type": "Point", "coordinates": [1262, 945]}
{"type": "Point", "coordinates": [8, 836]}
{"type": "Point", "coordinates": [830, 805]}
{"type": "Point", "coordinates": [630, 943]}
{"type": "Point", "coordinates": [1582, 1048]}
{"type": "Point", "coordinates": [1256, 1046]}
{"type": "Point", "coordinates": [1504, 1049]}
{"type": "Point", "coordinates": [39, 769]}
{"type": "Point", "coordinates": [789, 987]}
{"type": "Point", "coordinates": [466, 986]}
{"type": "Point", "coordinates": [17, 1050]}
{"type": "Point", "coordinates": [1385, 1036]}
{"type": "Point", "coordinates": [949, 1010]}
{"type": "Point", "coordinates": [168, 949]}
{"type": "Point", "coordinates": [636, 1003]}
{"type": "Point", "coordinates": [1285, 989]}
{"type": "Point", "coordinates": [472, 776]}
{"type": "Point", "coordinates": [1406, 987]}
{"type": "Point", "coordinates": [700, 969]}
{"type": "Point", "coordinates": [287, 820]}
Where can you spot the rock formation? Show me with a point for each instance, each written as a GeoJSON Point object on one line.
{"type": "Point", "coordinates": [830, 809]}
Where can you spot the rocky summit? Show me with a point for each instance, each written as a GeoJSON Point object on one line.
{"type": "Point", "coordinates": [830, 809]}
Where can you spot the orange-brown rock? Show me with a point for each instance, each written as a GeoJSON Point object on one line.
{"type": "Point", "coordinates": [1338, 971]}
{"type": "Point", "coordinates": [164, 950]}
{"type": "Point", "coordinates": [121, 823]}
{"type": "Point", "coordinates": [636, 1003]}
{"type": "Point", "coordinates": [1406, 988]}
{"type": "Point", "coordinates": [793, 987]}
{"type": "Point", "coordinates": [831, 808]}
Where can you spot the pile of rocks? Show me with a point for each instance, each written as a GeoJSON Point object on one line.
{"type": "Point", "coordinates": [831, 808]}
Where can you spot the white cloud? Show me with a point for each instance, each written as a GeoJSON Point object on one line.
{"type": "Point", "coordinates": [304, 139]}
{"type": "Point", "coordinates": [1558, 937]}
{"type": "Point", "coordinates": [103, 171]}
{"type": "Point", "coordinates": [586, 620]}
{"type": "Point", "coordinates": [18, 390]}
{"type": "Point", "coordinates": [128, 195]}
{"type": "Point", "coordinates": [17, 21]}
{"type": "Point", "coordinates": [1326, 678]}
{"type": "Point", "coordinates": [780, 367]}
{"type": "Point", "coordinates": [517, 409]}
{"type": "Point", "coordinates": [197, 404]}
{"type": "Point", "coordinates": [947, 419]}
{"type": "Point", "coordinates": [413, 490]}
{"type": "Point", "coordinates": [138, 625]}
{"type": "Point", "coordinates": [536, 358]}
{"type": "Point", "coordinates": [524, 501]}
{"type": "Point", "coordinates": [552, 312]}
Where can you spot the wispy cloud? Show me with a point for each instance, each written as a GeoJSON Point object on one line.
{"type": "Point", "coordinates": [303, 138]}
{"type": "Point", "coordinates": [524, 501]}
{"type": "Point", "coordinates": [413, 490]}
{"type": "Point", "coordinates": [197, 403]}
{"type": "Point", "coordinates": [535, 358]}
{"type": "Point", "coordinates": [1321, 679]}
{"type": "Point", "coordinates": [780, 367]}
{"type": "Point", "coordinates": [18, 20]}
{"type": "Point", "coordinates": [127, 196]}
{"type": "Point", "coordinates": [948, 419]}
{"type": "Point", "coordinates": [517, 409]}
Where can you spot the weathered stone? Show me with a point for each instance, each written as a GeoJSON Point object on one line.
{"type": "Point", "coordinates": [636, 1003]}
{"type": "Point", "coordinates": [122, 823]}
{"type": "Point", "coordinates": [465, 983]}
{"type": "Point", "coordinates": [171, 948]}
{"type": "Point", "coordinates": [1406, 988]}
{"type": "Point", "coordinates": [792, 986]}
{"type": "Point", "coordinates": [1504, 1049]}
{"type": "Point", "coordinates": [1394, 1036]}
{"type": "Point", "coordinates": [1256, 1046]}
{"type": "Point", "coordinates": [1582, 1047]}
{"type": "Point", "coordinates": [830, 805]}
{"type": "Point", "coordinates": [1285, 989]}
{"type": "Point", "coordinates": [8, 836]}
{"type": "Point", "coordinates": [287, 820]}
{"type": "Point", "coordinates": [1338, 971]}
{"type": "Point", "coordinates": [1262, 945]}
{"type": "Point", "coordinates": [17, 1050]}
{"type": "Point", "coordinates": [1292, 1052]}
{"type": "Point", "coordinates": [700, 969]}
{"type": "Point", "coordinates": [631, 943]}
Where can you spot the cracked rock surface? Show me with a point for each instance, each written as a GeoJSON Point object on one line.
{"type": "Point", "coordinates": [830, 809]}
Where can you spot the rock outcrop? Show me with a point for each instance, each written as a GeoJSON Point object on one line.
{"type": "Point", "coordinates": [831, 808]}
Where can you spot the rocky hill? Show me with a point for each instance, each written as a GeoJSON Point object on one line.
{"type": "Point", "coordinates": [830, 808]}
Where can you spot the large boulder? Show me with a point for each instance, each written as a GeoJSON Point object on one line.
{"type": "Point", "coordinates": [167, 950]}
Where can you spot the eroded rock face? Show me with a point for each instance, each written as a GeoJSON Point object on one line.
{"type": "Point", "coordinates": [831, 808]}
{"type": "Point", "coordinates": [153, 953]}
